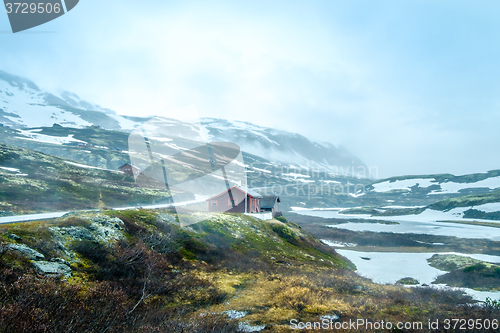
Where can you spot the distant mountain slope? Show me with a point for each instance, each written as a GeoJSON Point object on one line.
{"type": "Point", "coordinates": [24, 105]}
{"type": "Point", "coordinates": [108, 149]}
{"type": "Point", "coordinates": [283, 146]}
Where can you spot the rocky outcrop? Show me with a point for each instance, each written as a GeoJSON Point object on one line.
{"type": "Point", "coordinates": [78, 233]}
{"type": "Point", "coordinates": [26, 251]}
{"type": "Point", "coordinates": [53, 269]}
{"type": "Point", "coordinates": [102, 228]}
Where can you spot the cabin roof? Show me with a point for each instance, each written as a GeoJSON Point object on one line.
{"type": "Point", "coordinates": [129, 165]}
{"type": "Point", "coordinates": [250, 193]}
{"type": "Point", "coordinates": [269, 201]}
{"type": "Point", "coordinates": [125, 165]}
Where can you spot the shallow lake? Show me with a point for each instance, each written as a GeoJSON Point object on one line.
{"type": "Point", "coordinates": [415, 224]}
{"type": "Point", "coordinates": [389, 267]}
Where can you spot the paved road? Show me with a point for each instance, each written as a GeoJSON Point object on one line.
{"type": "Point", "coordinates": [48, 216]}
{"type": "Point", "coordinates": [30, 217]}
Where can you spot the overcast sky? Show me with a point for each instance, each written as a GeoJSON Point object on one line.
{"type": "Point", "coordinates": [411, 87]}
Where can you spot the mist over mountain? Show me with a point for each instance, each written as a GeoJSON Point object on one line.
{"type": "Point", "coordinates": [25, 105]}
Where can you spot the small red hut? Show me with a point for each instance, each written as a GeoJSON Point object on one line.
{"type": "Point", "coordinates": [233, 201]}
{"type": "Point", "coordinates": [129, 169]}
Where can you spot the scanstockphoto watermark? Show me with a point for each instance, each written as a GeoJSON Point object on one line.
{"type": "Point", "coordinates": [360, 324]}
{"type": "Point", "coordinates": [312, 179]}
{"type": "Point", "coordinates": [310, 190]}
{"type": "Point", "coordinates": [356, 324]}
{"type": "Point", "coordinates": [27, 14]}
{"type": "Point", "coordinates": [314, 170]}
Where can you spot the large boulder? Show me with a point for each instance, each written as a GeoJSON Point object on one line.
{"type": "Point", "coordinates": [26, 251]}
{"type": "Point", "coordinates": [53, 269]}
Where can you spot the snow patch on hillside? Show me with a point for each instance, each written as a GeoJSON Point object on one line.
{"type": "Point", "coordinates": [446, 187]}
{"type": "Point", "coordinates": [58, 140]}
{"type": "Point", "coordinates": [451, 187]}
{"type": "Point", "coordinates": [405, 184]}
{"type": "Point", "coordinates": [28, 107]}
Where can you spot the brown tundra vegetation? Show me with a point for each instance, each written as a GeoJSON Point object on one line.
{"type": "Point", "coordinates": [154, 276]}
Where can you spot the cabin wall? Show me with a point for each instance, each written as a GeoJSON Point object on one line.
{"type": "Point", "coordinates": [276, 208]}
{"type": "Point", "coordinates": [222, 203]}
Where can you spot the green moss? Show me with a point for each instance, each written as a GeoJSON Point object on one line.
{"type": "Point", "coordinates": [284, 232]}
{"type": "Point", "coordinates": [187, 254]}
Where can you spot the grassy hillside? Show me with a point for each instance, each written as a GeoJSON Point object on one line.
{"type": "Point", "coordinates": [138, 271]}
{"type": "Point", "coordinates": [466, 201]}
{"type": "Point", "coordinates": [36, 182]}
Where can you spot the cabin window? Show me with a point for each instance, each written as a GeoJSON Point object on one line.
{"type": "Point", "coordinates": [214, 202]}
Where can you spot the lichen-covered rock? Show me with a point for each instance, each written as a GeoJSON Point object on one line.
{"type": "Point", "coordinates": [60, 260]}
{"type": "Point", "coordinates": [53, 269]}
{"type": "Point", "coordinates": [77, 233]}
{"type": "Point", "coordinates": [112, 222]}
{"type": "Point", "coordinates": [26, 251]}
{"type": "Point", "coordinates": [101, 229]}
{"type": "Point", "coordinates": [106, 228]}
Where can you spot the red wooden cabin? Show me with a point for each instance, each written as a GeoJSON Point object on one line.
{"type": "Point", "coordinates": [233, 201]}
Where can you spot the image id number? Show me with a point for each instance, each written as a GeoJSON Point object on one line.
{"type": "Point", "coordinates": [25, 8]}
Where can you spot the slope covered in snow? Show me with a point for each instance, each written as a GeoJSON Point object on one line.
{"type": "Point", "coordinates": [25, 105]}
{"type": "Point", "coordinates": [286, 147]}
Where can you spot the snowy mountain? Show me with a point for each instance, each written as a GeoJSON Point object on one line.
{"type": "Point", "coordinates": [24, 105]}
{"type": "Point", "coordinates": [277, 145]}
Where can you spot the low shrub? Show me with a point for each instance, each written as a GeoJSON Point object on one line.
{"type": "Point", "coordinates": [281, 219]}
{"type": "Point", "coordinates": [284, 232]}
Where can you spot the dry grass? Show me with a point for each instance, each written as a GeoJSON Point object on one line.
{"type": "Point", "coordinates": [161, 278]}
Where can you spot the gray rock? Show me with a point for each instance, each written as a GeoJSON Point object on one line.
{"type": "Point", "coordinates": [59, 260]}
{"type": "Point", "coordinates": [77, 232]}
{"type": "Point", "coordinates": [110, 222]}
{"type": "Point", "coordinates": [15, 237]}
{"type": "Point", "coordinates": [26, 251]}
{"type": "Point", "coordinates": [53, 269]}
